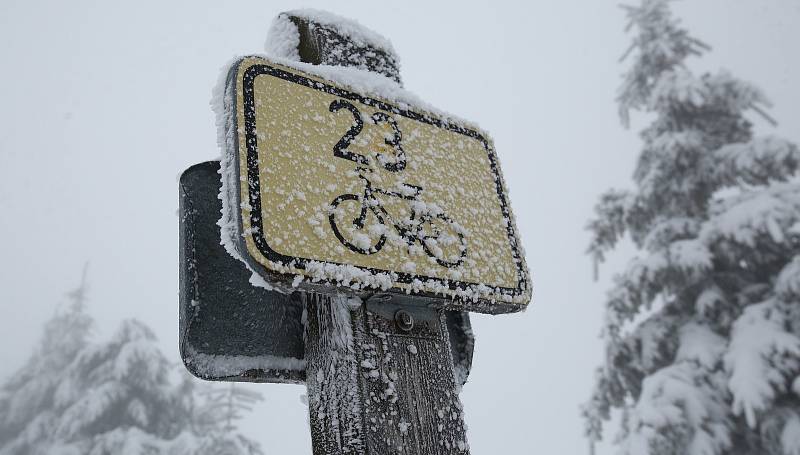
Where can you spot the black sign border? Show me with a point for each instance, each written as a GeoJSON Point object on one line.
{"type": "Point", "coordinates": [254, 185]}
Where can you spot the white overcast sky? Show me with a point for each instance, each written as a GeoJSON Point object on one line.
{"type": "Point", "coordinates": [103, 104]}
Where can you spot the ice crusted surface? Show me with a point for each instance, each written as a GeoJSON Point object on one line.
{"type": "Point", "coordinates": [346, 27]}
{"type": "Point", "coordinates": [350, 276]}
{"type": "Point", "coordinates": [283, 39]}
{"type": "Point", "coordinates": [222, 105]}
{"type": "Point", "coordinates": [331, 377]}
{"type": "Point", "coordinates": [282, 46]}
{"type": "Point", "coordinates": [374, 85]}
{"type": "Point", "coordinates": [234, 365]}
{"type": "Point", "coordinates": [411, 399]}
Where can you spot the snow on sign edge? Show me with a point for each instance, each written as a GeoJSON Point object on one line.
{"type": "Point", "coordinates": [348, 278]}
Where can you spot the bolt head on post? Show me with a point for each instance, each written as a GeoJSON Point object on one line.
{"type": "Point", "coordinates": [404, 320]}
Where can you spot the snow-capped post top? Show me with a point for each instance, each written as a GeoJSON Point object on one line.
{"type": "Point", "coordinates": [335, 179]}
{"type": "Point", "coordinates": [321, 38]}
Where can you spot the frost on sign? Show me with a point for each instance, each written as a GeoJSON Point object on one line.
{"type": "Point", "coordinates": [339, 189]}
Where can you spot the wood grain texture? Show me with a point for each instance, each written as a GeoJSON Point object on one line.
{"type": "Point", "coordinates": [375, 388]}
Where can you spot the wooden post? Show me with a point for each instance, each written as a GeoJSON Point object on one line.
{"type": "Point", "coordinates": [379, 373]}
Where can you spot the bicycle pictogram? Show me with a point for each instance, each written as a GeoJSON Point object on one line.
{"type": "Point", "coordinates": [361, 221]}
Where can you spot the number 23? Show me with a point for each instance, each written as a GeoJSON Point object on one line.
{"type": "Point", "coordinates": [340, 149]}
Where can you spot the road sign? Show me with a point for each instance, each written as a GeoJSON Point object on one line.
{"type": "Point", "coordinates": [339, 188]}
{"type": "Point", "coordinates": [233, 331]}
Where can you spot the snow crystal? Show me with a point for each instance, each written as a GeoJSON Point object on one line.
{"type": "Point", "coordinates": [297, 280]}
{"type": "Point", "coordinates": [404, 426]}
{"type": "Point", "coordinates": [213, 365]}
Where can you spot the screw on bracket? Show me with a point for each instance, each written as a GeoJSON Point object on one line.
{"type": "Point", "coordinates": [404, 320]}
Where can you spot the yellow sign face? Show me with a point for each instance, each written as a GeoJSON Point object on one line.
{"type": "Point", "coordinates": [339, 189]}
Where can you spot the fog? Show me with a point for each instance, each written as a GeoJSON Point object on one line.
{"type": "Point", "coordinates": [104, 104]}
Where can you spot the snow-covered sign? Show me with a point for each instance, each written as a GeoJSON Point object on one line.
{"type": "Point", "coordinates": [328, 188]}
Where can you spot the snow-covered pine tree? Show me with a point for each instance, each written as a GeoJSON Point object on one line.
{"type": "Point", "coordinates": [217, 414]}
{"type": "Point", "coordinates": [702, 329]}
{"type": "Point", "coordinates": [26, 399]}
{"type": "Point", "coordinates": [117, 397]}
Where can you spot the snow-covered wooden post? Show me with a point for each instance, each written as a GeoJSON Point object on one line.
{"type": "Point", "coordinates": [380, 376]}
{"type": "Point", "coordinates": [379, 219]}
